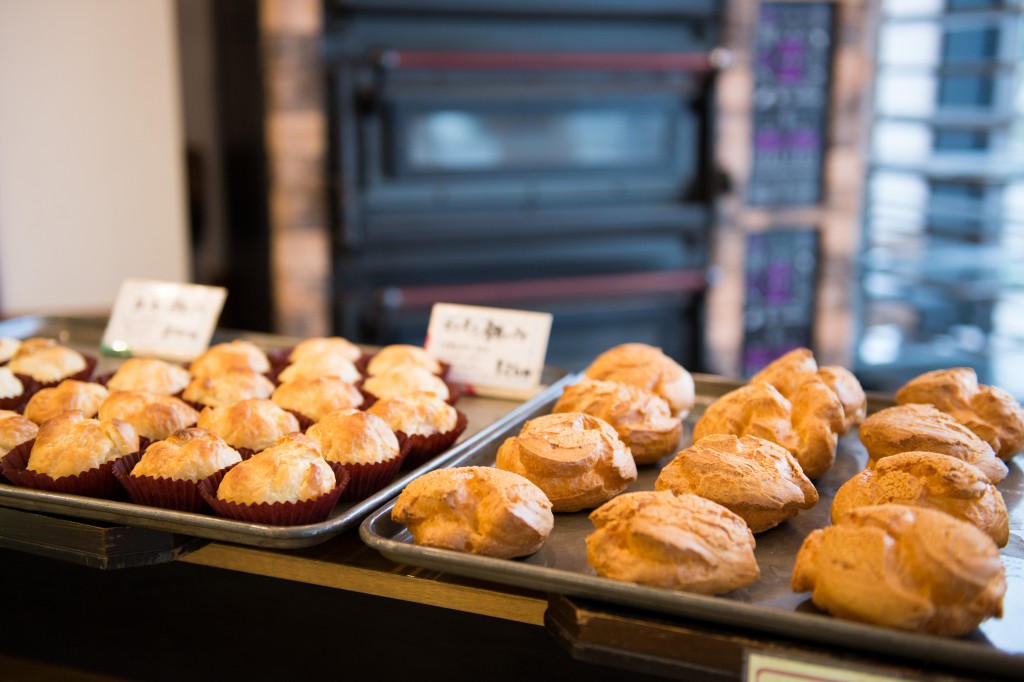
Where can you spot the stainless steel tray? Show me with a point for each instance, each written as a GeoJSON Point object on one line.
{"type": "Point", "coordinates": [486, 418]}
{"type": "Point", "coordinates": [768, 604]}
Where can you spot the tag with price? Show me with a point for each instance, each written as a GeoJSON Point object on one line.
{"type": "Point", "coordinates": [162, 319]}
{"type": "Point", "coordinates": [493, 351]}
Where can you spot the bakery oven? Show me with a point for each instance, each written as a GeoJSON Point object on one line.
{"type": "Point", "coordinates": [547, 156]}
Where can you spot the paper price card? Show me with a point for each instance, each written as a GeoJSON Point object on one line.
{"type": "Point", "coordinates": [493, 351]}
{"type": "Point", "coordinates": [162, 319]}
{"type": "Point", "coordinates": [762, 668]}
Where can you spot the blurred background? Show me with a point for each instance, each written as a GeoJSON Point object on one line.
{"type": "Point", "coordinates": [726, 180]}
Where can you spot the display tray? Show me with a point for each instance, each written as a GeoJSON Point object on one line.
{"type": "Point", "coordinates": [486, 418]}
{"type": "Point", "coordinates": [767, 605]}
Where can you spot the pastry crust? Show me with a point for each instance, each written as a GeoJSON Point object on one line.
{"type": "Point", "coordinates": [677, 542]}
{"type": "Point", "coordinates": [418, 414]}
{"type": "Point", "coordinates": [71, 443]}
{"type": "Point", "coordinates": [291, 470]}
{"type": "Point", "coordinates": [807, 426]}
{"type": "Point", "coordinates": [325, 345]}
{"type": "Point", "coordinates": [648, 367]}
{"type": "Point", "coordinates": [46, 360]}
{"type": "Point", "coordinates": [576, 459]}
{"type": "Point", "coordinates": [643, 420]}
{"type": "Point", "coordinates": [402, 355]}
{"type": "Point", "coordinates": [790, 372]}
{"type": "Point", "coordinates": [69, 394]}
{"type": "Point", "coordinates": [316, 398]}
{"type": "Point", "coordinates": [905, 567]}
{"type": "Point", "coordinates": [989, 411]}
{"type": "Point", "coordinates": [476, 509]}
{"type": "Point", "coordinates": [922, 427]}
{"type": "Point", "coordinates": [228, 387]}
{"type": "Point", "coordinates": [354, 437]}
{"type": "Point", "coordinates": [407, 380]}
{"type": "Point", "coordinates": [313, 366]}
{"type": "Point", "coordinates": [154, 416]}
{"type": "Point", "coordinates": [931, 480]}
{"type": "Point", "coordinates": [8, 347]}
{"type": "Point", "coordinates": [754, 478]}
{"type": "Point", "coordinates": [15, 430]}
{"type": "Point", "coordinates": [10, 385]}
{"type": "Point", "coordinates": [237, 354]}
{"type": "Point", "coordinates": [256, 423]}
{"type": "Point", "coordinates": [187, 455]}
{"type": "Point", "coordinates": [149, 375]}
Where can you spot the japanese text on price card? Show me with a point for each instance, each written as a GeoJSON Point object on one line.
{"type": "Point", "coordinates": [493, 351]}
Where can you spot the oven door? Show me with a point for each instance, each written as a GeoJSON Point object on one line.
{"type": "Point", "coordinates": [556, 137]}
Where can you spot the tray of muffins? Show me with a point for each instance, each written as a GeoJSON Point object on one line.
{"type": "Point", "coordinates": [261, 440]}
{"type": "Point", "coordinates": [793, 504]}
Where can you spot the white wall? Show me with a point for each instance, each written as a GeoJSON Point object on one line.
{"type": "Point", "coordinates": [91, 154]}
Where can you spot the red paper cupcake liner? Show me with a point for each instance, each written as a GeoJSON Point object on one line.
{"type": "Point", "coordinates": [15, 403]}
{"type": "Point", "coordinates": [166, 493]}
{"type": "Point", "coordinates": [276, 513]}
{"type": "Point", "coordinates": [304, 421]}
{"type": "Point", "coordinates": [366, 479]}
{"type": "Point", "coordinates": [422, 449]}
{"type": "Point", "coordinates": [278, 361]}
{"type": "Point", "coordinates": [99, 482]}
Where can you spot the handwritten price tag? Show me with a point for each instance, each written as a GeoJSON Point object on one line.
{"type": "Point", "coordinates": [493, 351]}
{"type": "Point", "coordinates": [162, 319]}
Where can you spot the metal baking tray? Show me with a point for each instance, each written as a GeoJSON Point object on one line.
{"type": "Point", "coordinates": [486, 418]}
{"type": "Point", "coordinates": [768, 604]}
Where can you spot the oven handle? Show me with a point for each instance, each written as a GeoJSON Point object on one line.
{"type": "Point", "coordinates": [696, 62]}
{"type": "Point", "coordinates": [564, 288]}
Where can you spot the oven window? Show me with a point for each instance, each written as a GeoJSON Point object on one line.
{"type": "Point", "coordinates": [474, 140]}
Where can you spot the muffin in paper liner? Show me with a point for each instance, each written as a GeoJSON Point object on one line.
{"type": "Point", "coordinates": [367, 478]}
{"type": "Point", "coordinates": [32, 386]}
{"type": "Point", "coordinates": [99, 482]}
{"type": "Point", "coordinates": [421, 449]}
{"type": "Point", "coordinates": [166, 493]}
{"type": "Point", "coordinates": [276, 513]}
{"type": "Point", "coordinates": [454, 393]}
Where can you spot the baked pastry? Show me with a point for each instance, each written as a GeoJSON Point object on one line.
{"type": "Point", "coordinates": [677, 542]}
{"type": "Point", "coordinates": [752, 477]}
{"type": "Point", "coordinates": [399, 381]}
{"type": "Point", "coordinates": [905, 567]}
{"type": "Point", "coordinates": [237, 354]}
{"type": "Point", "coordinates": [69, 394]}
{"type": "Point", "coordinates": [807, 427]}
{"type": "Point", "coordinates": [15, 430]}
{"type": "Point", "coordinates": [149, 375]}
{"type": "Point", "coordinates": [321, 345]}
{"type": "Point", "coordinates": [789, 372]}
{"type": "Point", "coordinates": [316, 398]}
{"type": "Point", "coordinates": [364, 444]}
{"type": "Point", "coordinates": [922, 427]}
{"type": "Point", "coordinates": [154, 416]}
{"type": "Point", "coordinates": [576, 459]}
{"type": "Point", "coordinates": [643, 420]}
{"type": "Point", "coordinates": [227, 387]}
{"type": "Point", "coordinates": [8, 347]}
{"type": "Point", "coordinates": [928, 479]}
{"type": "Point", "coordinates": [290, 470]}
{"type": "Point", "coordinates": [428, 424]}
{"type": "Point", "coordinates": [476, 509]}
{"type": "Point", "coordinates": [254, 424]}
{"type": "Point", "coordinates": [313, 366]}
{"type": "Point", "coordinates": [648, 367]}
{"type": "Point", "coordinates": [402, 355]}
{"type": "Point", "coordinates": [12, 390]}
{"type": "Point", "coordinates": [47, 361]}
{"type": "Point", "coordinates": [187, 455]}
{"type": "Point", "coordinates": [71, 444]}
{"type": "Point", "coordinates": [989, 411]}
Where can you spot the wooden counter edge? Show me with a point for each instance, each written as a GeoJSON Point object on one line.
{"type": "Point", "coordinates": [520, 607]}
